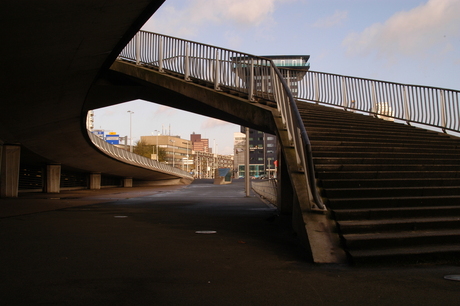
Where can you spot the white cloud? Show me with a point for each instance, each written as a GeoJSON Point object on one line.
{"type": "Point", "coordinates": [212, 123]}
{"type": "Point", "coordinates": [333, 20]}
{"type": "Point", "coordinates": [164, 110]}
{"type": "Point", "coordinates": [427, 30]}
{"type": "Point", "coordinates": [186, 20]}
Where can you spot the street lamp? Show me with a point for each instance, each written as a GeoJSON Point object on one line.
{"type": "Point", "coordinates": [187, 156]}
{"type": "Point", "coordinates": [158, 134]}
{"type": "Point", "coordinates": [130, 131]}
{"type": "Point", "coordinates": [173, 150]}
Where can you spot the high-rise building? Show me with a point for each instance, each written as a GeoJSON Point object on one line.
{"type": "Point", "coordinates": [262, 154]}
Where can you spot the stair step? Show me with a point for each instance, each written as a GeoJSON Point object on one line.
{"type": "Point", "coordinates": [431, 253]}
{"type": "Point", "coordinates": [388, 182]}
{"type": "Point", "coordinates": [379, 134]}
{"type": "Point", "coordinates": [395, 212]}
{"type": "Point", "coordinates": [339, 145]}
{"type": "Point", "coordinates": [401, 239]}
{"type": "Point", "coordinates": [348, 203]}
{"type": "Point", "coordinates": [386, 174]}
{"type": "Point", "coordinates": [393, 191]}
{"type": "Point", "coordinates": [405, 155]}
{"type": "Point", "coordinates": [393, 225]}
{"type": "Point", "coordinates": [386, 167]}
{"type": "Point", "coordinates": [375, 140]}
{"type": "Point", "coordinates": [333, 160]}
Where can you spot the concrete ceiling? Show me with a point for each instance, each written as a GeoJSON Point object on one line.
{"type": "Point", "coordinates": [52, 52]}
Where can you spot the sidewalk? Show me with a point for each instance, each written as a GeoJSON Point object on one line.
{"type": "Point", "coordinates": [201, 244]}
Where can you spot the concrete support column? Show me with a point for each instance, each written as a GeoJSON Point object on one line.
{"type": "Point", "coordinates": [95, 181]}
{"type": "Point", "coordinates": [128, 182]}
{"type": "Point", "coordinates": [10, 156]}
{"type": "Point", "coordinates": [53, 179]}
{"type": "Point", "coordinates": [285, 192]}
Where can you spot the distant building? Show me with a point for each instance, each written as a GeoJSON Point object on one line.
{"type": "Point", "coordinates": [90, 120]}
{"type": "Point", "coordinates": [199, 144]}
{"type": "Point", "coordinates": [205, 163]}
{"type": "Point", "coordinates": [177, 150]}
{"type": "Point", "coordinates": [239, 143]}
{"type": "Point", "coordinates": [262, 154]}
{"type": "Point", "coordinates": [295, 68]}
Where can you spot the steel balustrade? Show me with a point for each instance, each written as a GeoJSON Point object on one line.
{"type": "Point", "coordinates": [135, 159]}
{"type": "Point", "coordinates": [431, 106]}
{"type": "Point", "coordinates": [254, 76]}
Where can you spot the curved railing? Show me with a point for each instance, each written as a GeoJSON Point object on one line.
{"type": "Point", "coordinates": [256, 77]}
{"type": "Point", "coordinates": [135, 159]}
{"type": "Point", "coordinates": [431, 106]}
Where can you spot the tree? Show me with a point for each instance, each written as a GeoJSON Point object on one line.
{"type": "Point", "coordinates": [146, 150]}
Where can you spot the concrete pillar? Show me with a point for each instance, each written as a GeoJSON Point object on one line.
{"type": "Point", "coordinates": [95, 181]}
{"type": "Point", "coordinates": [10, 156]}
{"type": "Point", "coordinates": [128, 182]}
{"type": "Point", "coordinates": [53, 179]}
{"type": "Point", "coordinates": [285, 192]}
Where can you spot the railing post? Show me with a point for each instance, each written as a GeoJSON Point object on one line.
{"type": "Point", "coordinates": [406, 105]}
{"type": "Point", "coordinates": [316, 88]}
{"type": "Point", "coordinates": [374, 99]}
{"type": "Point", "coordinates": [251, 81]}
{"type": "Point", "coordinates": [160, 55]}
{"type": "Point", "coordinates": [288, 79]}
{"type": "Point", "coordinates": [187, 62]}
{"type": "Point", "coordinates": [344, 93]}
{"type": "Point", "coordinates": [216, 71]}
{"type": "Point", "coordinates": [443, 110]}
{"type": "Point", "coordinates": [138, 48]}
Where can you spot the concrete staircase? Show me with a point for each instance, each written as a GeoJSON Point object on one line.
{"type": "Point", "coordinates": [394, 190]}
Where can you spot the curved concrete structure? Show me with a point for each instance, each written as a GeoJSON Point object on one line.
{"type": "Point", "coordinates": [52, 54]}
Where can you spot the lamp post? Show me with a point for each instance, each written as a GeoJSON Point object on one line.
{"type": "Point", "coordinates": [187, 156]}
{"type": "Point", "coordinates": [173, 151]}
{"type": "Point", "coordinates": [130, 132]}
{"type": "Point", "coordinates": [158, 134]}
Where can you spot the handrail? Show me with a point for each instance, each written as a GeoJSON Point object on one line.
{"type": "Point", "coordinates": [431, 106]}
{"type": "Point", "coordinates": [258, 77]}
{"type": "Point", "coordinates": [135, 159]}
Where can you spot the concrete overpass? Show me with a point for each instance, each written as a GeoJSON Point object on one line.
{"type": "Point", "coordinates": [61, 62]}
{"type": "Point", "coordinates": [58, 67]}
{"type": "Point", "coordinates": [56, 55]}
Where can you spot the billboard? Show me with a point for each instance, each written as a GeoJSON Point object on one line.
{"type": "Point", "coordinates": [113, 138]}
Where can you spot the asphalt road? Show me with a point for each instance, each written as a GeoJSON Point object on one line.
{"type": "Point", "coordinates": [201, 244]}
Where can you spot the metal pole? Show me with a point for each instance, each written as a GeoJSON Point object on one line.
{"type": "Point", "coordinates": [156, 131]}
{"type": "Point", "coordinates": [173, 151]}
{"type": "Point", "coordinates": [130, 132]}
{"type": "Point", "coordinates": [246, 164]}
{"type": "Point", "coordinates": [187, 156]}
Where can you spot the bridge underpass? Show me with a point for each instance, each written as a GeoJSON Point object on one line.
{"type": "Point", "coordinates": [49, 67]}
{"type": "Point", "coordinates": [58, 113]}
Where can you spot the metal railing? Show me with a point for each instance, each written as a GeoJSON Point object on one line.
{"type": "Point", "coordinates": [257, 77]}
{"type": "Point", "coordinates": [429, 106]}
{"type": "Point", "coordinates": [135, 159]}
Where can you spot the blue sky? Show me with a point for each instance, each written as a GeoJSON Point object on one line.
{"type": "Point", "coordinates": [405, 41]}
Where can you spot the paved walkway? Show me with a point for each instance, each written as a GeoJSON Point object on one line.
{"type": "Point", "coordinates": [142, 246]}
